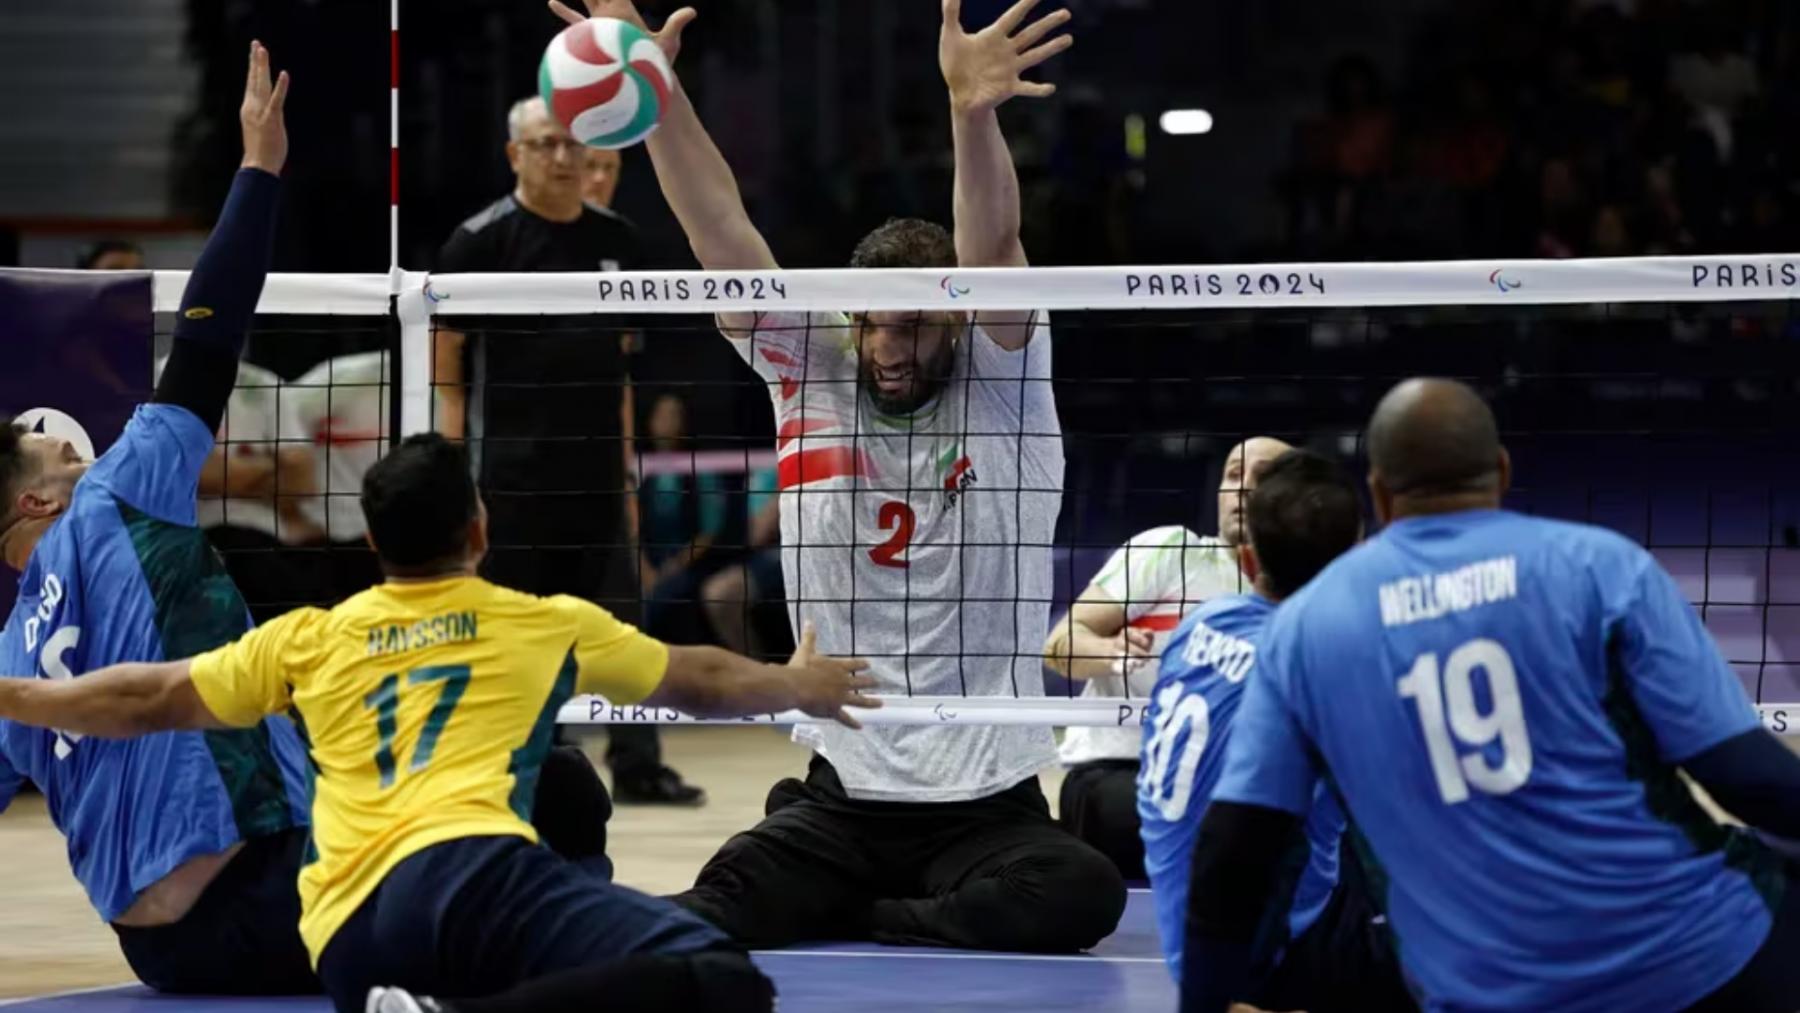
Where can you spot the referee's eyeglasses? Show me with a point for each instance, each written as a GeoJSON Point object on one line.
{"type": "Point", "coordinates": [550, 147]}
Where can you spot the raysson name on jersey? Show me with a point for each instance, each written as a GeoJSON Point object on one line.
{"type": "Point", "coordinates": [445, 629]}
{"type": "Point", "coordinates": [1414, 599]}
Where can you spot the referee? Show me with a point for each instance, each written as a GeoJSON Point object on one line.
{"type": "Point", "coordinates": [548, 412]}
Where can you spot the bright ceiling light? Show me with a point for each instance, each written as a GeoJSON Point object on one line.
{"type": "Point", "coordinates": [1186, 121]}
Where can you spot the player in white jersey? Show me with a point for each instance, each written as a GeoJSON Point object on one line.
{"type": "Point", "coordinates": [921, 470]}
{"type": "Point", "coordinates": [1115, 632]}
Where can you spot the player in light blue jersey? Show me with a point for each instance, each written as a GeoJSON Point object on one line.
{"type": "Point", "coordinates": [1326, 952]}
{"type": "Point", "coordinates": [188, 844]}
{"type": "Point", "coordinates": [1503, 705]}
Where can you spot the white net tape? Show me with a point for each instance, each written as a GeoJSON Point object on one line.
{"type": "Point", "coordinates": [1245, 286]}
{"type": "Point", "coordinates": [415, 298]}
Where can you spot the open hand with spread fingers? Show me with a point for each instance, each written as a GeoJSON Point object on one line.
{"type": "Point", "coordinates": [669, 38]}
{"type": "Point", "coordinates": [824, 685]}
{"type": "Point", "coordinates": [985, 68]}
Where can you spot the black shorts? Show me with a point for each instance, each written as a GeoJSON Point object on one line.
{"type": "Point", "coordinates": [1099, 805]}
{"type": "Point", "coordinates": [1345, 960]}
{"type": "Point", "coordinates": [479, 915]}
{"type": "Point", "coordinates": [243, 935]}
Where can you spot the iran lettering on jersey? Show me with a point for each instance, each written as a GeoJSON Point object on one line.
{"type": "Point", "coordinates": [1158, 576]}
{"type": "Point", "coordinates": [921, 543]}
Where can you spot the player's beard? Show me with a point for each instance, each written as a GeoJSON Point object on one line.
{"type": "Point", "coordinates": [928, 379]}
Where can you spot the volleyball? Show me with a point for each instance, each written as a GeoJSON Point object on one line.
{"type": "Point", "coordinates": [607, 81]}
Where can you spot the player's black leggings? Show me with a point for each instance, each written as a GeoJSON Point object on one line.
{"type": "Point", "coordinates": [1099, 805]}
{"type": "Point", "coordinates": [994, 873]}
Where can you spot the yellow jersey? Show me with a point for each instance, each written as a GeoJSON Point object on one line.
{"type": "Point", "coordinates": [428, 709]}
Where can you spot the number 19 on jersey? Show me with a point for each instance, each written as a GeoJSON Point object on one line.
{"type": "Point", "coordinates": [1457, 746]}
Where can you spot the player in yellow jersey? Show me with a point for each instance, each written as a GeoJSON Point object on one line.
{"type": "Point", "coordinates": [429, 703]}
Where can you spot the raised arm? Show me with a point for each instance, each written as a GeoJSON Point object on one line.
{"type": "Point", "coordinates": [116, 702]}
{"type": "Point", "coordinates": [712, 682]}
{"type": "Point", "coordinates": [982, 71]}
{"type": "Point", "coordinates": [695, 179]}
{"type": "Point", "coordinates": [222, 293]}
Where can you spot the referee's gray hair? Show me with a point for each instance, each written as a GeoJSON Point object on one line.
{"type": "Point", "coordinates": [521, 113]}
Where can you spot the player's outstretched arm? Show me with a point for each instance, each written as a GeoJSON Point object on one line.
{"type": "Point", "coordinates": [695, 179]}
{"type": "Point", "coordinates": [227, 282]}
{"type": "Point", "coordinates": [983, 70]}
{"type": "Point", "coordinates": [715, 683]}
{"type": "Point", "coordinates": [116, 702]}
{"type": "Point", "coordinates": [1092, 640]}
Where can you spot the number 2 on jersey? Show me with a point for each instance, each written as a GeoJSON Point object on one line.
{"type": "Point", "coordinates": [385, 702]}
{"type": "Point", "coordinates": [1454, 769]}
{"type": "Point", "coordinates": [899, 517]}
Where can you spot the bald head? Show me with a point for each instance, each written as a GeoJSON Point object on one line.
{"type": "Point", "coordinates": [1434, 439]}
{"type": "Point", "coordinates": [1244, 465]}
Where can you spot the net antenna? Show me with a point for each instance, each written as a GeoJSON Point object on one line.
{"type": "Point", "coordinates": [393, 135]}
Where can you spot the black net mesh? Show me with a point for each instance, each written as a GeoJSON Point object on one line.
{"type": "Point", "coordinates": [1674, 424]}
{"type": "Point", "coordinates": [312, 410]}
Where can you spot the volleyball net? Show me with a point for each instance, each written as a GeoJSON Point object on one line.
{"type": "Point", "coordinates": [1654, 396]}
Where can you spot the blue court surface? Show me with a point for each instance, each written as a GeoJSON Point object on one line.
{"type": "Point", "coordinates": [1125, 972]}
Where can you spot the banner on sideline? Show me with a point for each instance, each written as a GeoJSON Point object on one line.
{"type": "Point", "coordinates": [78, 346]}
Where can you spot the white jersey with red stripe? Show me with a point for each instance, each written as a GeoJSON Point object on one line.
{"type": "Point", "coordinates": [921, 543]}
{"type": "Point", "coordinates": [1158, 576]}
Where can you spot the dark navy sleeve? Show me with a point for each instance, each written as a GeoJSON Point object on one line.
{"type": "Point", "coordinates": [1687, 694]}
{"type": "Point", "coordinates": [220, 300]}
{"type": "Point", "coordinates": [1756, 777]}
{"type": "Point", "coordinates": [1232, 900]}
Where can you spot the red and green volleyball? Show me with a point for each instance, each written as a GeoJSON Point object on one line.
{"type": "Point", "coordinates": [607, 81]}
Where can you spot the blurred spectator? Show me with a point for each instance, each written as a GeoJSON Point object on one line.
{"type": "Point", "coordinates": [1610, 236]}
{"type": "Point", "coordinates": [1337, 154]}
{"type": "Point", "coordinates": [600, 178]}
{"type": "Point", "coordinates": [112, 255]}
{"type": "Point", "coordinates": [1091, 184]}
{"type": "Point", "coordinates": [743, 599]}
{"type": "Point", "coordinates": [683, 514]}
{"type": "Point", "coordinates": [1715, 76]}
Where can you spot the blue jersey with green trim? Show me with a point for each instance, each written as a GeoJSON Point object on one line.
{"type": "Point", "coordinates": [125, 575]}
{"type": "Point", "coordinates": [1502, 702]}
